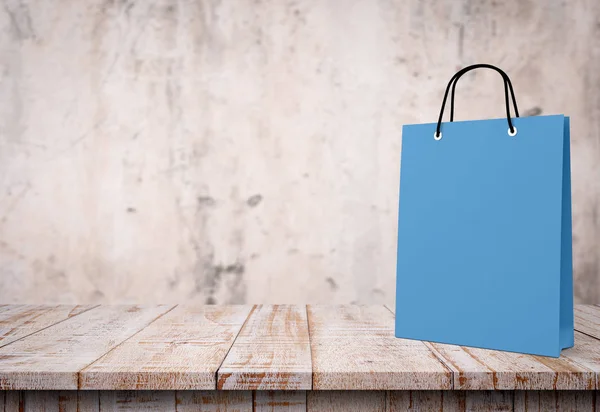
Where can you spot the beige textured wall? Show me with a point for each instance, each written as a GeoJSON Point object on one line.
{"type": "Point", "coordinates": [248, 151]}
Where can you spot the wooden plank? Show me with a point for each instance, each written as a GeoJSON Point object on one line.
{"type": "Point", "coordinates": [88, 401]}
{"type": "Point", "coordinates": [489, 401]}
{"type": "Point", "coordinates": [447, 401]}
{"type": "Point", "coordinates": [272, 352]}
{"type": "Point", "coordinates": [585, 355]}
{"type": "Point", "coordinates": [130, 401]}
{"type": "Point", "coordinates": [353, 347]}
{"type": "Point", "coordinates": [181, 350]}
{"type": "Point", "coordinates": [14, 401]}
{"type": "Point", "coordinates": [105, 401]}
{"type": "Point", "coordinates": [483, 369]}
{"type": "Point", "coordinates": [346, 401]}
{"type": "Point", "coordinates": [52, 358]}
{"type": "Point", "coordinates": [587, 320]}
{"type": "Point", "coordinates": [50, 401]}
{"type": "Point", "coordinates": [18, 321]}
{"type": "Point", "coordinates": [554, 401]}
{"type": "Point", "coordinates": [280, 401]}
{"type": "Point", "coordinates": [214, 401]}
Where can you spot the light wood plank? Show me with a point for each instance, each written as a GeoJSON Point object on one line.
{"type": "Point", "coordinates": [181, 350]}
{"type": "Point", "coordinates": [483, 369]}
{"type": "Point", "coordinates": [554, 401]}
{"type": "Point", "coordinates": [272, 351]}
{"type": "Point", "coordinates": [52, 358]}
{"type": "Point", "coordinates": [585, 355]}
{"type": "Point", "coordinates": [214, 401]}
{"type": "Point", "coordinates": [346, 401]}
{"type": "Point", "coordinates": [280, 401]}
{"type": "Point", "coordinates": [354, 347]}
{"type": "Point", "coordinates": [133, 401]}
{"type": "Point", "coordinates": [18, 321]}
{"type": "Point", "coordinates": [446, 401]}
{"type": "Point", "coordinates": [587, 320]}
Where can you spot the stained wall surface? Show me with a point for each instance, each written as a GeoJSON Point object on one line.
{"type": "Point", "coordinates": [248, 151]}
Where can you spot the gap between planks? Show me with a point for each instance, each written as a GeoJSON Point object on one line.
{"type": "Point", "coordinates": [79, 377]}
{"type": "Point", "coordinates": [271, 352]}
{"type": "Point", "coordinates": [74, 310]}
{"type": "Point", "coordinates": [53, 357]}
{"type": "Point", "coordinates": [578, 356]}
{"type": "Point", "coordinates": [576, 369]}
{"type": "Point", "coordinates": [354, 348]}
{"type": "Point", "coordinates": [233, 343]}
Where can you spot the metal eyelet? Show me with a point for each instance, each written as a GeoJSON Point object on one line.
{"type": "Point", "coordinates": [513, 133]}
{"type": "Point", "coordinates": [437, 136]}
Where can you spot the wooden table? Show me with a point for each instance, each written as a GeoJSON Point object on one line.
{"type": "Point", "coordinates": [271, 358]}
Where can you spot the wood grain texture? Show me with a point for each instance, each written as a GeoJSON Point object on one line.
{"type": "Point", "coordinates": [14, 401]}
{"type": "Point", "coordinates": [214, 401]}
{"type": "Point", "coordinates": [353, 347]}
{"type": "Point", "coordinates": [17, 321]}
{"type": "Point", "coordinates": [587, 320]}
{"type": "Point", "coordinates": [271, 352]}
{"type": "Point", "coordinates": [409, 401]}
{"type": "Point", "coordinates": [130, 401]}
{"type": "Point", "coordinates": [346, 401]}
{"type": "Point", "coordinates": [181, 350]}
{"type": "Point", "coordinates": [483, 369]}
{"type": "Point", "coordinates": [51, 401]}
{"type": "Point", "coordinates": [280, 401]}
{"type": "Point", "coordinates": [489, 401]}
{"type": "Point", "coordinates": [53, 357]}
{"type": "Point", "coordinates": [555, 401]}
{"type": "Point", "coordinates": [88, 401]}
{"type": "Point", "coordinates": [321, 401]}
{"type": "Point", "coordinates": [345, 347]}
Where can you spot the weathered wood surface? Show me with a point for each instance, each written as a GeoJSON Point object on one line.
{"type": "Point", "coordinates": [181, 350]}
{"type": "Point", "coordinates": [427, 400]}
{"type": "Point", "coordinates": [151, 401]}
{"type": "Point", "coordinates": [280, 401]}
{"type": "Point", "coordinates": [587, 320]}
{"type": "Point", "coordinates": [269, 348]}
{"type": "Point", "coordinates": [353, 347]}
{"type": "Point", "coordinates": [17, 321]}
{"type": "Point", "coordinates": [346, 401]}
{"type": "Point", "coordinates": [214, 401]}
{"type": "Point", "coordinates": [555, 401]}
{"type": "Point", "coordinates": [298, 401]}
{"type": "Point", "coordinates": [480, 369]}
{"type": "Point", "coordinates": [272, 351]}
{"type": "Point", "coordinates": [53, 357]}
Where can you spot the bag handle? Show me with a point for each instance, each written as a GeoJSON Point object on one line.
{"type": "Point", "coordinates": [454, 80]}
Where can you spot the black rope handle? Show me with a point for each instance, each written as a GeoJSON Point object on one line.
{"type": "Point", "coordinates": [454, 80]}
{"type": "Point", "coordinates": [506, 81]}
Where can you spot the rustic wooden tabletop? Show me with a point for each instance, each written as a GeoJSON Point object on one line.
{"type": "Point", "coordinates": [271, 358]}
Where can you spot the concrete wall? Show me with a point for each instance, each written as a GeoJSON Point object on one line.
{"type": "Point", "coordinates": [248, 151]}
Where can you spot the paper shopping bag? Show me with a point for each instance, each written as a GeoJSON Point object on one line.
{"type": "Point", "coordinates": [484, 231]}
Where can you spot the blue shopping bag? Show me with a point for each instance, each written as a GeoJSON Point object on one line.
{"type": "Point", "coordinates": [484, 231]}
